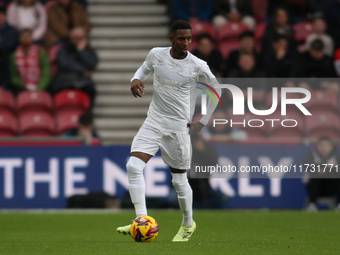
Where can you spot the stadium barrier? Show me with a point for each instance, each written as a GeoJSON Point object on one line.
{"type": "Point", "coordinates": [45, 176]}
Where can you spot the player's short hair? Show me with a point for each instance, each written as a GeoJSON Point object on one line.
{"type": "Point", "coordinates": [246, 34]}
{"type": "Point", "coordinates": [317, 45]}
{"type": "Point", "coordinates": [85, 119]}
{"type": "Point", "coordinates": [179, 24]}
{"type": "Point", "coordinates": [204, 36]}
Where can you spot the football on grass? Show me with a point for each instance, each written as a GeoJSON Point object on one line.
{"type": "Point", "coordinates": [144, 229]}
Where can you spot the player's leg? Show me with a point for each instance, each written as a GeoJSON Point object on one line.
{"type": "Point", "coordinates": [176, 152]}
{"type": "Point", "coordinates": [144, 146]}
{"type": "Point", "coordinates": [135, 167]}
{"type": "Point", "coordinates": [184, 195]}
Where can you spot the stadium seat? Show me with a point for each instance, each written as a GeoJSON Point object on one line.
{"type": "Point", "coordinates": [227, 47]}
{"type": "Point", "coordinates": [8, 124]}
{"type": "Point", "coordinates": [67, 121]}
{"type": "Point", "coordinates": [252, 132]}
{"type": "Point", "coordinates": [323, 124]}
{"type": "Point", "coordinates": [260, 9]}
{"type": "Point", "coordinates": [322, 100]}
{"type": "Point", "coordinates": [303, 30]}
{"type": "Point", "coordinates": [71, 100]}
{"type": "Point", "coordinates": [34, 101]}
{"type": "Point", "coordinates": [200, 28]}
{"type": "Point", "coordinates": [52, 54]}
{"type": "Point", "coordinates": [259, 32]}
{"type": "Point", "coordinates": [275, 129]}
{"type": "Point", "coordinates": [6, 101]}
{"type": "Point", "coordinates": [231, 31]}
{"type": "Point", "coordinates": [36, 124]}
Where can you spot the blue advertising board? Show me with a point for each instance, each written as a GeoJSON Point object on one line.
{"type": "Point", "coordinates": [44, 177]}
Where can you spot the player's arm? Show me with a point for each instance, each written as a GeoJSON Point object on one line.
{"type": "Point", "coordinates": [206, 77]}
{"type": "Point", "coordinates": [137, 86]}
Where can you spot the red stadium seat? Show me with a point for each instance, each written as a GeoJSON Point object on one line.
{"type": "Point", "coordinates": [231, 31]}
{"type": "Point", "coordinates": [199, 27]}
{"type": "Point", "coordinates": [6, 101]}
{"type": "Point", "coordinates": [275, 128]}
{"type": "Point", "coordinates": [52, 54]}
{"type": "Point", "coordinates": [34, 101]}
{"type": "Point", "coordinates": [67, 121]}
{"type": "Point", "coordinates": [8, 124]}
{"type": "Point", "coordinates": [260, 9]}
{"type": "Point", "coordinates": [323, 124]}
{"type": "Point", "coordinates": [260, 29]}
{"type": "Point", "coordinates": [303, 30]}
{"type": "Point", "coordinates": [37, 124]}
{"type": "Point", "coordinates": [322, 100]}
{"type": "Point", "coordinates": [227, 47]}
{"type": "Point", "coordinates": [71, 100]}
{"type": "Point", "coordinates": [253, 132]}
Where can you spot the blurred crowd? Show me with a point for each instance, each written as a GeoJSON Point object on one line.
{"type": "Point", "coordinates": [44, 46]}
{"type": "Point", "coordinates": [297, 41]}
{"type": "Point", "coordinates": [291, 39]}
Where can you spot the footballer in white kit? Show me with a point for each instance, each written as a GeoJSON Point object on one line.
{"type": "Point", "coordinates": [177, 75]}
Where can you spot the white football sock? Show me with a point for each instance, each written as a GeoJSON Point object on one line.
{"type": "Point", "coordinates": [184, 194]}
{"type": "Point", "coordinates": [135, 167]}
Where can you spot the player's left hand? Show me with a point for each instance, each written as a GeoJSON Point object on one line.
{"type": "Point", "coordinates": [196, 127]}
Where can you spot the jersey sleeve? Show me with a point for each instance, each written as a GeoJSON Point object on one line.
{"type": "Point", "coordinates": [206, 76]}
{"type": "Point", "coordinates": [146, 68]}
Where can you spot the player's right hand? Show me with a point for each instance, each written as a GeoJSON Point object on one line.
{"type": "Point", "coordinates": [137, 88]}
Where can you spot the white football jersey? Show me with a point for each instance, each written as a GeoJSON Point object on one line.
{"type": "Point", "coordinates": [175, 86]}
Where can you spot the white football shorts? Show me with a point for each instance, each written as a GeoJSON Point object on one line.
{"type": "Point", "coordinates": [175, 148]}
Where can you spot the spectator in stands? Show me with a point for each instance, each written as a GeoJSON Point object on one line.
{"type": "Point", "coordinates": [320, 26]}
{"type": "Point", "coordinates": [192, 10]}
{"type": "Point", "coordinates": [205, 50]}
{"type": "Point", "coordinates": [223, 133]}
{"type": "Point", "coordinates": [332, 14]}
{"type": "Point", "coordinates": [280, 62]}
{"type": "Point", "coordinates": [85, 130]}
{"type": "Point", "coordinates": [279, 25]}
{"type": "Point", "coordinates": [75, 63]}
{"type": "Point", "coordinates": [326, 182]}
{"type": "Point", "coordinates": [63, 16]}
{"type": "Point", "coordinates": [316, 8]}
{"type": "Point", "coordinates": [29, 65]}
{"type": "Point", "coordinates": [247, 44]}
{"type": "Point", "coordinates": [9, 36]}
{"type": "Point", "coordinates": [234, 10]}
{"type": "Point", "coordinates": [247, 69]}
{"type": "Point", "coordinates": [314, 63]}
{"type": "Point", "coordinates": [203, 155]}
{"type": "Point", "coordinates": [28, 14]}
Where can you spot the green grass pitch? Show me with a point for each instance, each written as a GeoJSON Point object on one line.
{"type": "Point", "coordinates": [218, 232]}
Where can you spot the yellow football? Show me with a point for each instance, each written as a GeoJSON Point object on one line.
{"type": "Point", "coordinates": [144, 229]}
